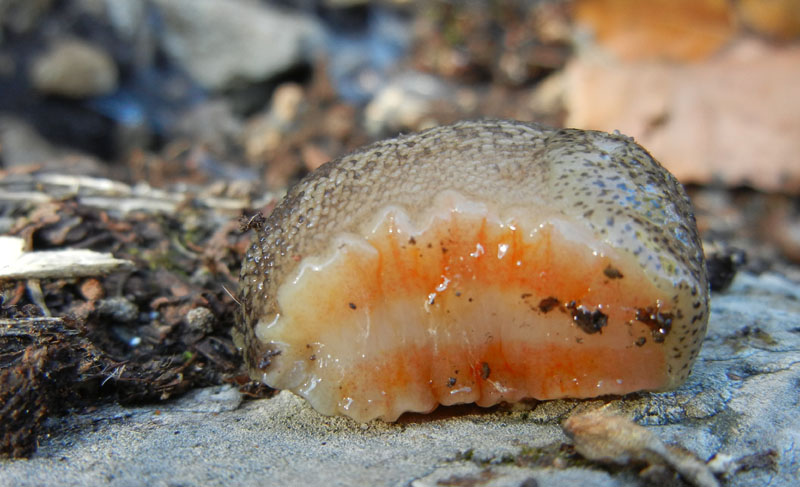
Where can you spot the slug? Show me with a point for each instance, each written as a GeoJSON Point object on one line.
{"type": "Point", "coordinates": [484, 261]}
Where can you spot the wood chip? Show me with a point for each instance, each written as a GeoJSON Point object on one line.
{"type": "Point", "coordinates": [60, 264]}
{"type": "Point", "coordinates": [607, 438]}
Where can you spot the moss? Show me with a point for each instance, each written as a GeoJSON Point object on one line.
{"type": "Point", "coordinates": [168, 260]}
{"type": "Point", "coordinates": [467, 455]}
{"type": "Point", "coordinates": [746, 335]}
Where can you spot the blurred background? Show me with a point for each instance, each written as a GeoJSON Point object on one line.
{"type": "Point", "coordinates": [253, 89]}
{"type": "Point", "coordinates": [262, 91]}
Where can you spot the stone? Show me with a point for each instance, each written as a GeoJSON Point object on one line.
{"type": "Point", "coordinates": [210, 123]}
{"type": "Point", "coordinates": [74, 69]}
{"type": "Point", "coordinates": [200, 319]}
{"type": "Point", "coordinates": [224, 42]}
{"type": "Point", "coordinates": [265, 131]}
{"type": "Point", "coordinates": [677, 30]}
{"type": "Point", "coordinates": [118, 310]}
{"type": "Point", "coordinates": [92, 289]}
{"type": "Point", "coordinates": [21, 144]}
{"type": "Point", "coordinates": [126, 17]}
{"type": "Point", "coordinates": [779, 19]}
{"type": "Point", "coordinates": [731, 119]}
{"type": "Point", "coordinates": [22, 16]}
{"type": "Point", "coordinates": [404, 103]}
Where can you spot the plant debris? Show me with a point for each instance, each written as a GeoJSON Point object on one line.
{"type": "Point", "coordinates": [152, 322]}
{"type": "Point", "coordinates": [609, 439]}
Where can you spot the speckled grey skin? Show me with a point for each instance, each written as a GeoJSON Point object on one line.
{"type": "Point", "coordinates": [607, 181]}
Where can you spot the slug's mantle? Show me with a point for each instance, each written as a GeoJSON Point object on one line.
{"type": "Point", "coordinates": [479, 262]}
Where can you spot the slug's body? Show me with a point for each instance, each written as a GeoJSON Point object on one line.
{"type": "Point", "coordinates": [479, 262]}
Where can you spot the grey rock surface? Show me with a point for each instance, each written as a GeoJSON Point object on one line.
{"type": "Point", "coordinates": [223, 41]}
{"type": "Point", "coordinates": [739, 407]}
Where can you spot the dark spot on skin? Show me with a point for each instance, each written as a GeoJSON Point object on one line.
{"type": "Point", "coordinates": [612, 272]}
{"type": "Point", "coordinates": [458, 294]}
{"type": "Point", "coordinates": [266, 358]}
{"type": "Point", "coordinates": [485, 371]}
{"type": "Point", "coordinates": [352, 305]}
{"type": "Point", "coordinates": [451, 382]}
{"type": "Point", "coordinates": [660, 323]}
{"type": "Point", "coordinates": [640, 341]}
{"type": "Point", "coordinates": [430, 245]}
{"type": "Point", "coordinates": [526, 295]}
{"type": "Point", "coordinates": [589, 321]}
{"type": "Point", "coordinates": [412, 241]}
{"type": "Point", "coordinates": [548, 304]}
{"type": "Point", "coordinates": [444, 250]}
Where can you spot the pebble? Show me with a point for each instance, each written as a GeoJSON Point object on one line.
{"type": "Point", "coordinates": [201, 319]}
{"type": "Point", "coordinates": [222, 43]}
{"type": "Point", "coordinates": [120, 310]}
{"type": "Point", "coordinates": [74, 69]}
{"type": "Point", "coordinates": [92, 289]}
